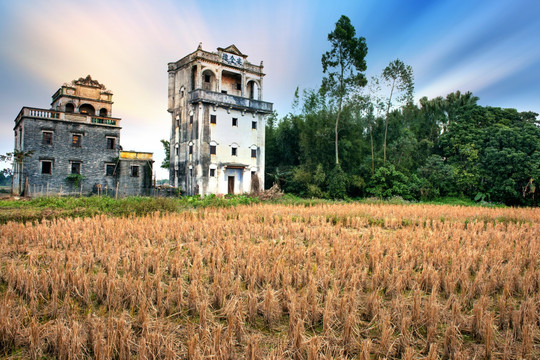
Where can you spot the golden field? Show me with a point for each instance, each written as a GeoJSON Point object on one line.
{"type": "Point", "coordinates": [329, 281]}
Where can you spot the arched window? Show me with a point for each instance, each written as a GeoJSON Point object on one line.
{"type": "Point", "coordinates": [103, 112]}
{"type": "Point", "coordinates": [253, 90]}
{"type": "Point", "coordinates": [208, 80]}
{"type": "Point", "coordinates": [70, 108]}
{"type": "Point", "coordinates": [87, 109]}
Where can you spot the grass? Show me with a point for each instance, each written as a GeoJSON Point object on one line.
{"type": "Point", "coordinates": [37, 209]}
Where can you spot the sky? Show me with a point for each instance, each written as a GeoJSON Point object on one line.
{"type": "Point", "coordinates": [491, 48]}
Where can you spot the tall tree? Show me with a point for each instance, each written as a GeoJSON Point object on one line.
{"type": "Point", "coordinates": [400, 79]}
{"type": "Point", "coordinates": [344, 65]}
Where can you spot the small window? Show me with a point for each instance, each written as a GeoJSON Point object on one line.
{"type": "Point", "coordinates": [207, 78]}
{"type": "Point", "coordinates": [234, 121]}
{"type": "Point", "coordinates": [224, 91]}
{"type": "Point", "coordinates": [212, 149]}
{"type": "Point", "coordinates": [178, 120]}
{"type": "Point", "coordinates": [46, 167]}
{"type": "Point", "coordinates": [213, 119]}
{"type": "Point", "coordinates": [109, 169]}
{"type": "Point", "coordinates": [135, 170]}
{"type": "Point", "coordinates": [111, 143]}
{"type": "Point", "coordinates": [76, 168]}
{"type": "Point", "coordinates": [254, 125]}
{"type": "Point", "coordinates": [70, 108]}
{"type": "Point", "coordinates": [212, 172]}
{"type": "Point", "coordinates": [253, 153]}
{"type": "Point", "coordinates": [76, 140]}
{"type": "Point", "coordinates": [238, 86]}
{"type": "Point", "coordinates": [46, 138]}
{"type": "Point", "coordinates": [190, 172]}
{"type": "Point", "coordinates": [191, 149]}
{"type": "Point", "coordinates": [234, 151]}
{"type": "Point", "coordinates": [191, 119]}
{"type": "Point", "coordinates": [176, 150]}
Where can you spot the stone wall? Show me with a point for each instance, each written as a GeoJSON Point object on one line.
{"type": "Point", "coordinates": [92, 154]}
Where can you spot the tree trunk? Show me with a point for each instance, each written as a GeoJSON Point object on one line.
{"type": "Point", "coordinates": [372, 153]}
{"type": "Point", "coordinates": [386, 121]}
{"type": "Point", "coordinates": [337, 150]}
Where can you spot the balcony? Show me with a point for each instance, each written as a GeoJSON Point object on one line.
{"type": "Point", "coordinates": [230, 101]}
{"type": "Point", "coordinates": [63, 116]}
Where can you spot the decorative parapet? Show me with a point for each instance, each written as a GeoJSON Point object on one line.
{"type": "Point", "coordinates": [230, 101]}
{"type": "Point", "coordinates": [36, 113]}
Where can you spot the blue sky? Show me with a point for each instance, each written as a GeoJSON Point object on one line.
{"type": "Point", "coordinates": [491, 48]}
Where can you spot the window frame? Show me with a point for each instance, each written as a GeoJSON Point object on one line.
{"type": "Point", "coordinates": [136, 173]}
{"type": "Point", "coordinates": [254, 125]}
{"type": "Point", "coordinates": [212, 172]}
{"type": "Point", "coordinates": [235, 122]}
{"type": "Point", "coordinates": [77, 144]}
{"type": "Point", "coordinates": [50, 162]}
{"type": "Point", "coordinates": [234, 151]}
{"type": "Point", "coordinates": [107, 165]}
{"type": "Point", "coordinates": [213, 149]}
{"type": "Point", "coordinates": [253, 153]}
{"type": "Point", "coordinates": [75, 165]}
{"type": "Point", "coordinates": [113, 138]}
{"type": "Point", "coordinates": [48, 132]}
{"type": "Point", "coordinates": [213, 119]}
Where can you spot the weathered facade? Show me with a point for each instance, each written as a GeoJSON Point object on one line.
{"type": "Point", "coordinates": [218, 122]}
{"type": "Point", "coordinates": [75, 145]}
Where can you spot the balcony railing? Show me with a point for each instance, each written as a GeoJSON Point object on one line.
{"type": "Point", "coordinates": [231, 101]}
{"type": "Point", "coordinates": [63, 116]}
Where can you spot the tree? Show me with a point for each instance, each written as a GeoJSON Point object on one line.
{"type": "Point", "coordinates": [18, 157]}
{"type": "Point", "coordinates": [167, 148]}
{"type": "Point", "coordinates": [344, 65]}
{"type": "Point", "coordinates": [400, 78]}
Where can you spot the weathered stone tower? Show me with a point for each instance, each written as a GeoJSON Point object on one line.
{"type": "Point", "coordinates": [218, 122]}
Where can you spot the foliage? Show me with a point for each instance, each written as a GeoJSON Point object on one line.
{"type": "Point", "coordinates": [343, 65]}
{"type": "Point", "coordinates": [388, 182]}
{"type": "Point", "coordinates": [337, 183]}
{"type": "Point", "coordinates": [76, 179]}
{"type": "Point", "coordinates": [167, 149]}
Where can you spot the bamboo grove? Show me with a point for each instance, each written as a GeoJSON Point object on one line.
{"type": "Point", "coordinates": [328, 281]}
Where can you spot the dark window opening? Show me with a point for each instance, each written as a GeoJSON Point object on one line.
{"type": "Point", "coordinates": [207, 78]}
{"type": "Point", "coordinates": [212, 149]}
{"type": "Point", "coordinates": [254, 125]}
{"type": "Point", "coordinates": [234, 121]}
{"type": "Point", "coordinates": [70, 108]}
{"type": "Point", "coordinates": [190, 119]}
{"type": "Point", "coordinates": [76, 140]}
{"type": "Point", "coordinates": [190, 172]}
{"type": "Point", "coordinates": [212, 172]}
{"type": "Point", "coordinates": [103, 112]}
{"type": "Point", "coordinates": [109, 169]}
{"type": "Point", "coordinates": [190, 149]}
{"type": "Point", "coordinates": [135, 171]}
{"type": "Point", "coordinates": [46, 138]}
{"type": "Point", "coordinates": [176, 151]}
{"type": "Point", "coordinates": [238, 86]}
{"type": "Point", "coordinates": [110, 143]}
{"type": "Point", "coordinates": [233, 151]}
{"type": "Point", "coordinates": [253, 153]}
{"type": "Point", "coordinates": [76, 168]}
{"type": "Point", "coordinates": [213, 119]}
{"type": "Point", "coordinates": [224, 91]}
{"type": "Point", "coordinates": [87, 109]}
{"type": "Point", "coordinates": [46, 167]}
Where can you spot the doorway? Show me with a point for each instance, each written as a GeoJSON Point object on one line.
{"type": "Point", "coordinates": [230, 185]}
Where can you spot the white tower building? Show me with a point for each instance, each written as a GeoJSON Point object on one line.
{"type": "Point", "coordinates": [218, 123]}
